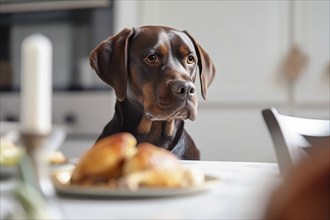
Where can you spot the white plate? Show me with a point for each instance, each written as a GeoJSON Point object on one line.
{"type": "Point", "coordinates": [13, 170]}
{"type": "Point", "coordinates": [61, 183]}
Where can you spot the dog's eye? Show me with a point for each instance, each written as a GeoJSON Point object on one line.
{"type": "Point", "coordinates": [191, 59]}
{"type": "Point", "coordinates": [152, 58]}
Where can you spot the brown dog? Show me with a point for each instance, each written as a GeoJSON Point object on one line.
{"type": "Point", "coordinates": [152, 70]}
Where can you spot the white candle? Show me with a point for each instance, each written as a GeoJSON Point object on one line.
{"type": "Point", "coordinates": [36, 84]}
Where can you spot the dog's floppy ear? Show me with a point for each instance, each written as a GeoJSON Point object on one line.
{"type": "Point", "coordinates": [109, 61]}
{"type": "Point", "coordinates": [205, 65]}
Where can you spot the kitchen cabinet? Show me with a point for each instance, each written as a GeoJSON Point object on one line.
{"type": "Point", "coordinates": [81, 100]}
{"type": "Point", "coordinates": [84, 113]}
{"type": "Point", "coordinates": [311, 34]}
{"type": "Point", "coordinates": [250, 43]}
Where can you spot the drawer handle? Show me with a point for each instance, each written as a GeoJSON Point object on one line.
{"type": "Point", "coordinates": [70, 119]}
{"type": "Point", "coordinates": [295, 63]}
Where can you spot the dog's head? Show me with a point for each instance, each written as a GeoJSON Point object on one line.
{"type": "Point", "coordinates": [155, 66]}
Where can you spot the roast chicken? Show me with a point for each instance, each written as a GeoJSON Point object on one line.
{"type": "Point", "coordinates": [105, 159]}
{"type": "Point", "coordinates": [117, 159]}
{"type": "Point", "coordinates": [152, 166]}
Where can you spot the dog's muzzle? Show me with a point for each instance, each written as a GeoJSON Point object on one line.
{"type": "Point", "coordinates": [178, 101]}
{"type": "Point", "coordinates": [184, 94]}
{"type": "Point", "coordinates": [183, 89]}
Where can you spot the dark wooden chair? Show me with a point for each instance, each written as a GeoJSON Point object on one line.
{"type": "Point", "coordinates": [294, 137]}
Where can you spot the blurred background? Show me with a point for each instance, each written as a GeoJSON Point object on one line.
{"type": "Point", "coordinates": [267, 54]}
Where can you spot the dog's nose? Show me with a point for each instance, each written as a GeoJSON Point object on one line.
{"type": "Point", "coordinates": [183, 89]}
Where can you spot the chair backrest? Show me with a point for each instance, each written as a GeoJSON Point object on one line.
{"type": "Point", "coordinates": [293, 136]}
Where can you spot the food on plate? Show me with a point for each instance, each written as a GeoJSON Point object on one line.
{"type": "Point", "coordinates": [10, 154]}
{"type": "Point", "coordinates": [57, 157]}
{"type": "Point", "coordinates": [116, 161]}
{"type": "Point", "coordinates": [152, 166]}
{"type": "Point", "coordinates": [105, 159]}
{"type": "Point", "coordinates": [193, 177]}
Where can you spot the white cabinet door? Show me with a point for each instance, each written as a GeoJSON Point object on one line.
{"type": "Point", "coordinates": [245, 39]}
{"type": "Point", "coordinates": [311, 33]}
{"type": "Point", "coordinates": [232, 134]}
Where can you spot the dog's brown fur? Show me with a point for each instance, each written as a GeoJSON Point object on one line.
{"type": "Point", "coordinates": [152, 70]}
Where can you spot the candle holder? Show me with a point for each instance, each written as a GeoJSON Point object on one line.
{"type": "Point", "coordinates": [34, 175]}
{"type": "Point", "coordinates": [34, 145]}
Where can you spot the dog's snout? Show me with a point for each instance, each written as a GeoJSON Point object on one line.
{"type": "Point", "coordinates": [183, 89]}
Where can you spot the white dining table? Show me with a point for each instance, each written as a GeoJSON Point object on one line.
{"type": "Point", "coordinates": [241, 192]}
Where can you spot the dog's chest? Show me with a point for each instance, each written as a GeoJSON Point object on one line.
{"type": "Point", "coordinates": [158, 135]}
